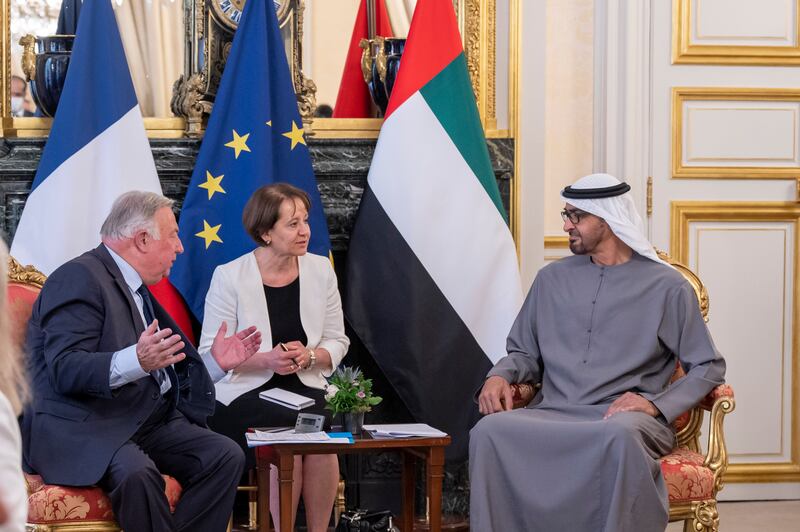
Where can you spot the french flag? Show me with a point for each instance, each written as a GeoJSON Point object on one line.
{"type": "Point", "coordinates": [97, 150]}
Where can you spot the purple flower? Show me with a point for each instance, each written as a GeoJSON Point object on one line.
{"type": "Point", "coordinates": [361, 394]}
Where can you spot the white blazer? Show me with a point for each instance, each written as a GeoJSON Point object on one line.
{"type": "Point", "coordinates": [236, 296]}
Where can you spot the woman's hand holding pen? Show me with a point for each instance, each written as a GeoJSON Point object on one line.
{"type": "Point", "coordinates": [298, 355]}
{"type": "Point", "coordinates": [285, 358]}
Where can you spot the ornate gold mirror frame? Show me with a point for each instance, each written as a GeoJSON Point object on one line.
{"type": "Point", "coordinates": [477, 20]}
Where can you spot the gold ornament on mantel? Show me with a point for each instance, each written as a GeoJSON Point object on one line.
{"type": "Point", "coordinates": [210, 28]}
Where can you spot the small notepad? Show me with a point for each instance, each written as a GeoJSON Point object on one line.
{"type": "Point", "coordinates": [286, 398]}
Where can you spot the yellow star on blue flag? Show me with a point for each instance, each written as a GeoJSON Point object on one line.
{"type": "Point", "coordinates": [254, 114]}
{"type": "Point", "coordinates": [295, 135]}
{"type": "Point", "coordinates": [209, 233]}
{"type": "Point", "coordinates": [239, 143]}
{"type": "Point", "coordinates": [212, 184]}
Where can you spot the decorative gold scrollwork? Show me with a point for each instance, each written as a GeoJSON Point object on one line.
{"type": "Point", "coordinates": [28, 56]}
{"type": "Point", "coordinates": [717, 456]}
{"type": "Point", "coordinates": [700, 289]}
{"type": "Point", "coordinates": [29, 275]}
{"type": "Point", "coordinates": [380, 57]}
{"type": "Point", "coordinates": [366, 65]}
{"type": "Point", "coordinates": [187, 101]}
{"type": "Point", "coordinates": [706, 518]}
{"type": "Point", "coordinates": [306, 99]}
{"type": "Point", "coordinates": [305, 88]}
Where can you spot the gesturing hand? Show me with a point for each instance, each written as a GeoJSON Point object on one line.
{"type": "Point", "coordinates": [631, 402]}
{"type": "Point", "coordinates": [495, 396]}
{"type": "Point", "coordinates": [231, 351]}
{"type": "Point", "coordinates": [157, 349]}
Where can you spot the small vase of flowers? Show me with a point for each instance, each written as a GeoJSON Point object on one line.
{"type": "Point", "coordinates": [349, 393]}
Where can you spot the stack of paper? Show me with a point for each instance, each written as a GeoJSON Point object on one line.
{"type": "Point", "coordinates": [404, 430]}
{"type": "Point", "coordinates": [259, 437]}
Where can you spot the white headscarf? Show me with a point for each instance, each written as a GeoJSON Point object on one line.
{"type": "Point", "coordinates": [619, 212]}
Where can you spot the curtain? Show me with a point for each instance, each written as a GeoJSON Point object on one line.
{"type": "Point", "coordinates": [152, 34]}
{"type": "Point", "coordinates": [400, 13]}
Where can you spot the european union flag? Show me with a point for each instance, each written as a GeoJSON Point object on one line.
{"type": "Point", "coordinates": [254, 137]}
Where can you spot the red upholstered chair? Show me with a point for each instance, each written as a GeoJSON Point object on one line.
{"type": "Point", "coordinates": [54, 508]}
{"type": "Point", "coordinates": [693, 479]}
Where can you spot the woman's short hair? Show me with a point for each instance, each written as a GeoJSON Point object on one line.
{"type": "Point", "coordinates": [263, 208]}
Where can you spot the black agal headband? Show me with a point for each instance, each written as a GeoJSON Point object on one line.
{"type": "Point", "coordinates": [593, 193]}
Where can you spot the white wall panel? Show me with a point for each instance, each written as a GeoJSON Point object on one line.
{"type": "Point", "coordinates": [751, 321]}
{"type": "Point", "coordinates": [743, 22]}
{"type": "Point", "coordinates": [740, 133]}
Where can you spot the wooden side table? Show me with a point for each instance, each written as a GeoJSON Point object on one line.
{"type": "Point", "coordinates": [281, 455]}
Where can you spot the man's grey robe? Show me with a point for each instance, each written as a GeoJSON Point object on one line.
{"type": "Point", "coordinates": [590, 333]}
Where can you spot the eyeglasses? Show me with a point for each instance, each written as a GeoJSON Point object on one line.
{"type": "Point", "coordinates": [573, 216]}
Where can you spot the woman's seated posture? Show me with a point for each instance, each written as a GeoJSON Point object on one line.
{"type": "Point", "coordinates": [293, 299]}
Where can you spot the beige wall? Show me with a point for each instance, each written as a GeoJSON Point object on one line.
{"type": "Point", "coordinates": [569, 98]}
{"type": "Point", "coordinates": [329, 26]}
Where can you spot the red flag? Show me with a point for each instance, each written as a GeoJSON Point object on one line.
{"type": "Point", "coordinates": [353, 100]}
{"type": "Point", "coordinates": [169, 298]}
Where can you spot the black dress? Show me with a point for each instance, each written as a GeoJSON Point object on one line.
{"type": "Point", "coordinates": [249, 410]}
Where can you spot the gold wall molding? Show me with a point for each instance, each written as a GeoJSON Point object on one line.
{"type": "Point", "coordinates": [556, 242]}
{"type": "Point", "coordinates": [514, 89]}
{"type": "Point", "coordinates": [31, 127]}
{"type": "Point", "coordinates": [480, 39]}
{"type": "Point", "coordinates": [683, 51]}
{"type": "Point", "coordinates": [680, 95]}
{"type": "Point", "coordinates": [683, 214]}
{"type": "Point", "coordinates": [5, 53]}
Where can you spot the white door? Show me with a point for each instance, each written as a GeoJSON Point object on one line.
{"type": "Point", "coordinates": [721, 141]}
{"type": "Point", "coordinates": [725, 158]}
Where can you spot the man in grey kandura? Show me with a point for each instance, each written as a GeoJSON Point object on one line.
{"type": "Point", "coordinates": [601, 332]}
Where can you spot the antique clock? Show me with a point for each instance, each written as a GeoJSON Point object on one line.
{"type": "Point", "coordinates": [229, 12]}
{"type": "Point", "coordinates": [210, 27]}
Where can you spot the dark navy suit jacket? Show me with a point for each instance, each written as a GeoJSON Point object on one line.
{"type": "Point", "coordinates": [76, 422]}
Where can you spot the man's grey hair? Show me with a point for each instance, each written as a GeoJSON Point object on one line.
{"type": "Point", "coordinates": [132, 212]}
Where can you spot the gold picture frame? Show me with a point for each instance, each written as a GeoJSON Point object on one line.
{"type": "Point", "coordinates": [683, 213]}
{"type": "Point", "coordinates": [683, 94]}
{"type": "Point", "coordinates": [684, 52]}
{"type": "Point", "coordinates": [477, 20]}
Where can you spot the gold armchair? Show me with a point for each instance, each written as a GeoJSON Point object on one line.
{"type": "Point", "coordinates": [693, 479]}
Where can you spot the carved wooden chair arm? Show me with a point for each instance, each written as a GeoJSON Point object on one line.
{"type": "Point", "coordinates": [522, 393]}
{"type": "Point", "coordinates": [721, 402]}
{"type": "Point", "coordinates": [721, 391]}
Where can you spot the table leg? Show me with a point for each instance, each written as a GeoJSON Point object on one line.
{"type": "Point", "coordinates": [262, 481]}
{"type": "Point", "coordinates": [409, 478]}
{"type": "Point", "coordinates": [435, 474]}
{"type": "Point", "coordinates": [285, 479]}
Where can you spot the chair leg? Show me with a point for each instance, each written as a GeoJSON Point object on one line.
{"type": "Point", "coordinates": [252, 503]}
{"type": "Point", "coordinates": [339, 503]}
{"type": "Point", "coordinates": [706, 518]}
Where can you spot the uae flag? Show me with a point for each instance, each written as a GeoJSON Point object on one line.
{"type": "Point", "coordinates": [432, 276]}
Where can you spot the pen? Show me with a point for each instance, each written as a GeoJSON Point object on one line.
{"type": "Point", "coordinates": [283, 346]}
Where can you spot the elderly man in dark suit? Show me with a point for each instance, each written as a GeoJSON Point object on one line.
{"type": "Point", "coordinates": [120, 395]}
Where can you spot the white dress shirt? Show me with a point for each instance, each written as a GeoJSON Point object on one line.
{"type": "Point", "coordinates": [125, 365]}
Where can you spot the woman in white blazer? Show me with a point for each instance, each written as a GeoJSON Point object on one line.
{"type": "Point", "coordinates": [293, 299]}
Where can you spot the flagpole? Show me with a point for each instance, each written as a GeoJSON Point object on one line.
{"type": "Point", "coordinates": [371, 19]}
